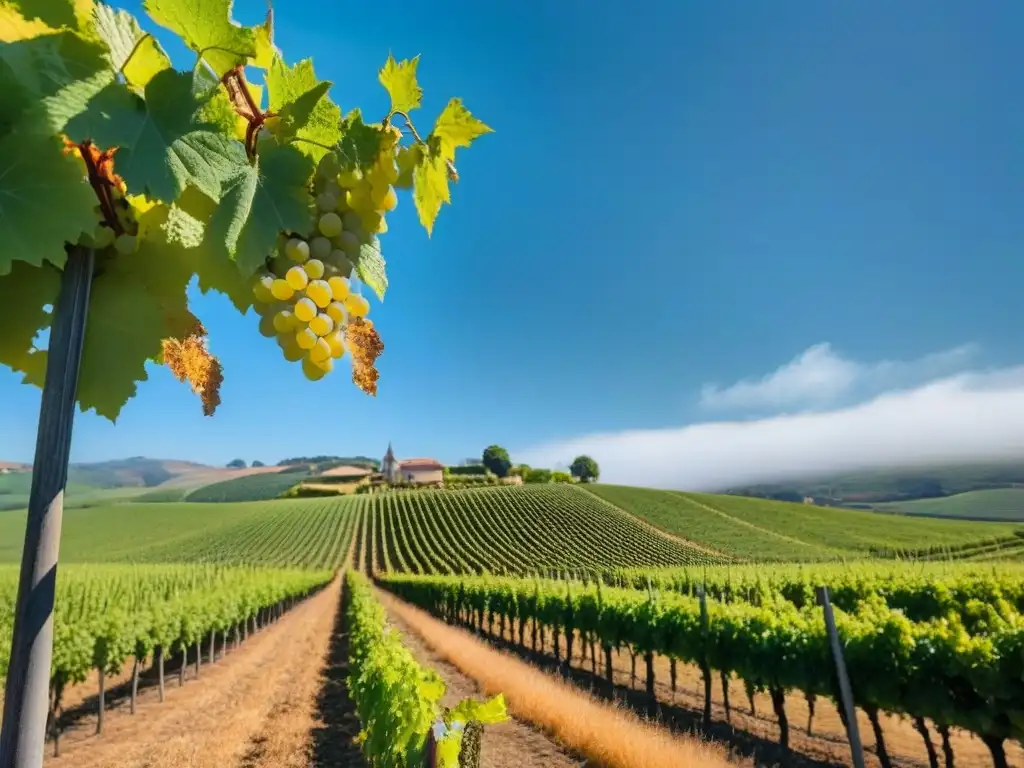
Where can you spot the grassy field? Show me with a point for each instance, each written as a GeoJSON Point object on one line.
{"type": "Point", "coordinates": [994, 504]}
{"type": "Point", "coordinates": [261, 487]}
{"type": "Point", "coordinates": [758, 529]}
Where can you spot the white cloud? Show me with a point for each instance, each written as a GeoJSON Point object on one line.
{"type": "Point", "coordinates": [818, 376]}
{"type": "Point", "coordinates": [965, 417]}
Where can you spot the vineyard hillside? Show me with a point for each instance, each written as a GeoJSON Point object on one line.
{"type": "Point", "coordinates": [995, 504]}
{"type": "Point", "coordinates": [760, 529]}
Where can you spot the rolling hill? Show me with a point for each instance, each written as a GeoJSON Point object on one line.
{"type": "Point", "coordinates": [995, 504]}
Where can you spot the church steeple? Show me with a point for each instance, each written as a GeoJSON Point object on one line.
{"type": "Point", "coordinates": [389, 467]}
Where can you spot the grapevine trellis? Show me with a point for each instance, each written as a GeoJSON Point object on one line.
{"type": "Point", "coordinates": [123, 178]}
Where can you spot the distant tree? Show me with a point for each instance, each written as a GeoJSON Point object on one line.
{"type": "Point", "coordinates": [258, 463]}
{"type": "Point", "coordinates": [561, 477]}
{"type": "Point", "coordinates": [236, 464]}
{"type": "Point", "coordinates": [496, 459]}
{"type": "Point", "coordinates": [585, 468]}
{"type": "Point", "coordinates": [538, 476]}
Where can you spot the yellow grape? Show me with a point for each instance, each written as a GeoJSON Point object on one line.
{"type": "Point", "coordinates": [261, 289]}
{"type": "Point", "coordinates": [388, 168]}
{"type": "Point", "coordinates": [297, 278]}
{"type": "Point", "coordinates": [357, 305]}
{"type": "Point", "coordinates": [349, 179]}
{"type": "Point", "coordinates": [321, 350]}
{"type": "Point", "coordinates": [326, 365]}
{"type": "Point", "coordinates": [281, 290]}
{"type": "Point", "coordinates": [320, 292]}
{"type": "Point", "coordinates": [340, 288]}
{"type": "Point", "coordinates": [305, 310]}
{"type": "Point", "coordinates": [336, 341]}
{"type": "Point", "coordinates": [267, 326]}
{"type": "Point", "coordinates": [320, 248]}
{"type": "Point", "coordinates": [284, 321]}
{"type": "Point", "coordinates": [311, 370]}
{"type": "Point", "coordinates": [305, 338]}
{"type": "Point", "coordinates": [314, 269]}
{"type": "Point", "coordinates": [378, 192]}
{"type": "Point", "coordinates": [289, 347]}
{"type": "Point", "coordinates": [322, 324]}
{"type": "Point", "coordinates": [383, 228]}
{"type": "Point", "coordinates": [337, 312]}
{"type": "Point", "coordinates": [297, 250]}
{"type": "Point", "coordinates": [371, 221]}
{"type": "Point", "coordinates": [330, 224]}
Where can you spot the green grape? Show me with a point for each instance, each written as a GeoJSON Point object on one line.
{"type": "Point", "coordinates": [357, 305]}
{"type": "Point", "coordinates": [281, 290]}
{"type": "Point", "coordinates": [336, 341]}
{"type": "Point", "coordinates": [321, 350]}
{"type": "Point", "coordinates": [352, 223]}
{"type": "Point", "coordinates": [320, 292]}
{"type": "Point", "coordinates": [326, 202]}
{"type": "Point", "coordinates": [261, 289]}
{"type": "Point", "coordinates": [306, 339]}
{"type": "Point", "coordinates": [314, 269]}
{"type": "Point", "coordinates": [349, 241]}
{"type": "Point", "coordinates": [102, 236]}
{"type": "Point", "coordinates": [322, 324]}
{"type": "Point", "coordinates": [267, 326]}
{"type": "Point", "coordinates": [333, 188]}
{"type": "Point", "coordinates": [371, 221]}
{"type": "Point", "coordinates": [311, 370]}
{"type": "Point", "coordinates": [297, 278]}
{"type": "Point", "coordinates": [340, 288]}
{"type": "Point", "coordinates": [126, 244]}
{"type": "Point", "coordinates": [305, 309]}
{"type": "Point", "coordinates": [284, 321]}
{"type": "Point", "coordinates": [337, 312]}
{"type": "Point", "coordinates": [349, 179]}
{"type": "Point", "coordinates": [320, 247]}
{"type": "Point", "coordinates": [330, 225]}
{"type": "Point", "coordinates": [339, 258]}
{"type": "Point", "coordinates": [297, 250]}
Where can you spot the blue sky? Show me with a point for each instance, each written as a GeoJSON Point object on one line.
{"type": "Point", "coordinates": [679, 196]}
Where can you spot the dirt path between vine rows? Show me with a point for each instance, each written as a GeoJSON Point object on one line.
{"type": "Point", "coordinates": [609, 735]}
{"type": "Point", "coordinates": [260, 706]}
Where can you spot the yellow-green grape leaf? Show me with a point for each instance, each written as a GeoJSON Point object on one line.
{"type": "Point", "coordinates": [456, 127]}
{"type": "Point", "coordinates": [56, 14]}
{"type": "Point", "coordinates": [23, 295]}
{"type": "Point", "coordinates": [44, 201]}
{"type": "Point", "coordinates": [14, 26]}
{"type": "Point", "coordinates": [485, 712]}
{"type": "Point", "coordinates": [206, 27]}
{"type": "Point", "coordinates": [305, 113]}
{"type": "Point", "coordinates": [399, 79]}
{"type": "Point", "coordinates": [371, 268]}
{"type": "Point", "coordinates": [134, 53]}
{"type": "Point", "coordinates": [262, 200]}
{"type": "Point", "coordinates": [185, 224]}
{"type": "Point", "coordinates": [447, 748]}
{"type": "Point", "coordinates": [430, 186]}
{"type": "Point", "coordinates": [124, 328]}
{"type": "Point", "coordinates": [48, 65]}
{"type": "Point", "coordinates": [163, 147]}
{"type": "Point", "coordinates": [360, 143]}
{"type": "Point", "coordinates": [407, 159]}
{"type": "Point", "coordinates": [265, 48]}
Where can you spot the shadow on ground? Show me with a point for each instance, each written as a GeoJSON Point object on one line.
{"type": "Point", "coordinates": [332, 742]}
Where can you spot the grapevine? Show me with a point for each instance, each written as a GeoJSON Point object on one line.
{"type": "Point", "coordinates": [239, 171]}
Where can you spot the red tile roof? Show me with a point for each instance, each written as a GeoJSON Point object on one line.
{"type": "Point", "coordinates": [420, 464]}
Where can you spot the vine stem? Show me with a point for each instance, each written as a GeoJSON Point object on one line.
{"type": "Point", "coordinates": [26, 698]}
{"type": "Point", "coordinates": [99, 186]}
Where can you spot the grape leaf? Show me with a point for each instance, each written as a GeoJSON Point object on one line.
{"type": "Point", "coordinates": [399, 79]}
{"type": "Point", "coordinates": [72, 14]}
{"type": "Point", "coordinates": [185, 224]}
{"type": "Point", "coordinates": [265, 48]}
{"type": "Point", "coordinates": [124, 328]}
{"type": "Point", "coordinates": [132, 52]}
{"type": "Point", "coordinates": [303, 109]}
{"type": "Point", "coordinates": [456, 127]}
{"type": "Point", "coordinates": [14, 26]}
{"type": "Point", "coordinates": [163, 148]}
{"type": "Point", "coordinates": [430, 185]}
{"type": "Point", "coordinates": [23, 294]}
{"type": "Point", "coordinates": [370, 267]}
{"type": "Point", "coordinates": [259, 202]}
{"type": "Point", "coordinates": [47, 64]}
{"type": "Point", "coordinates": [44, 201]}
{"type": "Point", "coordinates": [207, 28]}
{"type": "Point", "coordinates": [359, 144]}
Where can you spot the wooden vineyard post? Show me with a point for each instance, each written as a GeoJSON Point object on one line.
{"type": "Point", "coordinates": [845, 692]}
{"type": "Point", "coordinates": [705, 668]}
{"type": "Point", "coordinates": [26, 704]}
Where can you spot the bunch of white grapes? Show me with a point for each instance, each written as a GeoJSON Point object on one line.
{"type": "Point", "coordinates": [306, 298]}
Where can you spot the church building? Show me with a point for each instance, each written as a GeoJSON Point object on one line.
{"type": "Point", "coordinates": [411, 471]}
